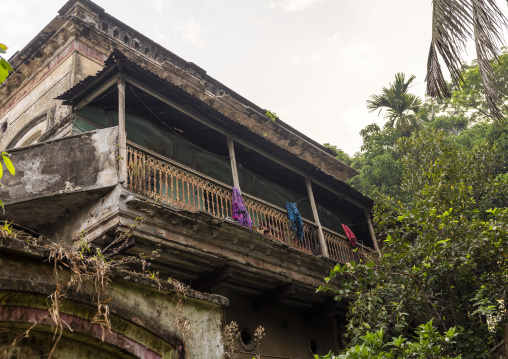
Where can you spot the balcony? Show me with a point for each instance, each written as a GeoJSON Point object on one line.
{"type": "Point", "coordinates": [185, 154]}
{"type": "Point", "coordinates": [169, 182]}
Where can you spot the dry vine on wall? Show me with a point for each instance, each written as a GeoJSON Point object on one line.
{"type": "Point", "coordinates": [90, 267]}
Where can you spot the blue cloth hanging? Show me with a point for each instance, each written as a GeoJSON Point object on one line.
{"type": "Point", "coordinates": [295, 219]}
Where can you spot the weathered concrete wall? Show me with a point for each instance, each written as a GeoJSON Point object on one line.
{"type": "Point", "coordinates": [146, 319]}
{"type": "Point", "coordinates": [288, 333]}
{"type": "Point", "coordinates": [32, 111]}
{"type": "Point", "coordinates": [85, 66]}
{"type": "Point", "coordinates": [54, 180]}
{"type": "Point", "coordinates": [78, 163]}
{"type": "Point", "coordinates": [36, 103]}
{"type": "Point", "coordinates": [92, 218]}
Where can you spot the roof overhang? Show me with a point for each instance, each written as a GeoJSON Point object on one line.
{"type": "Point", "coordinates": [204, 109]}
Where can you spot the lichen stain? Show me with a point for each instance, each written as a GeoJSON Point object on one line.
{"type": "Point", "coordinates": [34, 181]}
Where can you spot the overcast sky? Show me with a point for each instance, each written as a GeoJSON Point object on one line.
{"type": "Point", "coordinates": [313, 62]}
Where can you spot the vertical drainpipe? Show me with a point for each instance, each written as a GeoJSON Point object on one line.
{"type": "Point", "coordinates": [232, 157]}
{"type": "Point", "coordinates": [372, 234]}
{"type": "Point", "coordinates": [322, 242]}
{"type": "Point", "coordinates": [122, 134]}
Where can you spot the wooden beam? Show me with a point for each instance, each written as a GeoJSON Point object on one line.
{"type": "Point", "coordinates": [96, 93]}
{"type": "Point", "coordinates": [122, 134]}
{"type": "Point", "coordinates": [208, 280]}
{"type": "Point", "coordinates": [372, 233]}
{"type": "Point", "coordinates": [322, 242]}
{"type": "Point", "coordinates": [232, 157]}
{"type": "Point", "coordinates": [273, 296]}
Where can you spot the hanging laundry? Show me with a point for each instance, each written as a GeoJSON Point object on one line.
{"type": "Point", "coordinates": [239, 211]}
{"type": "Point", "coordinates": [350, 235]}
{"type": "Point", "coordinates": [295, 219]}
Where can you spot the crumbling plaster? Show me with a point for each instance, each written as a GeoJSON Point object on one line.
{"type": "Point", "coordinates": [80, 163]}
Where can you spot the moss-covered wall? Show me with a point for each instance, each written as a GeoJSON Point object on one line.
{"type": "Point", "coordinates": [145, 319]}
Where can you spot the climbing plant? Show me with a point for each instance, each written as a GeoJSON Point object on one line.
{"type": "Point", "coordinates": [4, 72]}
{"type": "Point", "coordinates": [445, 256]}
{"type": "Point", "coordinates": [10, 167]}
{"type": "Point", "coordinates": [89, 268]}
{"type": "Point", "coordinates": [5, 67]}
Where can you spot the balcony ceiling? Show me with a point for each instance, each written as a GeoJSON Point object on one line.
{"type": "Point", "coordinates": [118, 63]}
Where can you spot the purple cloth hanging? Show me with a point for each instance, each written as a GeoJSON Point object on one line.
{"type": "Point", "coordinates": [239, 211]}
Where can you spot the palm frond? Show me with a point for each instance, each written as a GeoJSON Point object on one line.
{"type": "Point", "coordinates": [454, 22]}
{"type": "Point", "coordinates": [436, 84]}
{"type": "Point", "coordinates": [401, 107]}
{"type": "Point", "coordinates": [488, 38]}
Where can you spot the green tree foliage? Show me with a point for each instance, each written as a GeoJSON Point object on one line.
{"type": "Point", "coordinates": [339, 154]}
{"type": "Point", "coordinates": [428, 343]}
{"type": "Point", "coordinates": [377, 163]}
{"type": "Point", "coordinates": [465, 117]}
{"type": "Point", "coordinates": [10, 167]}
{"type": "Point", "coordinates": [4, 65]}
{"type": "Point", "coordinates": [4, 72]}
{"type": "Point", "coordinates": [446, 251]}
{"type": "Point", "coordinates": [401, 106]}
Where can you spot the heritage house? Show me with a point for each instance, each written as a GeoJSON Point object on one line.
{"type": "Point", "coordinates": [111, 133]}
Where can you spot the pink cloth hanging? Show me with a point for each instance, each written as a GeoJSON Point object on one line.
{"type": "Point", "coordinates": [350, 235]}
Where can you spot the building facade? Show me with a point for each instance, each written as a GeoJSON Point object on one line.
{"type": "Point", "coordinates": [110, 133]}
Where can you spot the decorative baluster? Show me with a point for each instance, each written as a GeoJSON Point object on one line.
{"type": "Point", "coordinates": [166, 186]}
{"type": "Point", "coordinates": [222, 205]}
{"type": "Point", "coordinates": [256, 217]}
{"type": "Point", "coordinates": [155, 165]}
{"type": "Point", "coordinates": [193, 200]}
{"type": "Point", "coordinates": [217, 210]}
{"type": "Point", "coordinates": [177, 178]}
{"type": "Point", "coordinates": [212, 195]}
{"type": "Point", "coordinates": [187, 201]}
{"type": "Point", "coordinates": [143, 175]}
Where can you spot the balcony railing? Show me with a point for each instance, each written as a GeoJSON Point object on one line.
{"type": "Point", "coordinates": [340, 250]}
{"type": "Point", "coordinates": [172, 183]}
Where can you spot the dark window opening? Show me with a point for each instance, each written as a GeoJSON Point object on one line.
{"type": "Point", "coordinates": [147, 50]}
{"type": "Point", "coordinates": [136, 45]}
{"type": "Point", "coordinates": [115, 33]}
{"type": "Point", "coordinates": [104, 27]}
{"type": "Point", "coordinates": [247, 340]}
{"type": "Point", "coordinates": [126, 39]}
{"type": "Point", "coordinates": [246, 337]}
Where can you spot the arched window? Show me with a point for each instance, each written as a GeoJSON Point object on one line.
{"type": "Point", "coordinates": [30, 133]}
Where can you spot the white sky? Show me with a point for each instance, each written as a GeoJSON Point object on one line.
{"type": "Point", "coordinates": [313, 62]}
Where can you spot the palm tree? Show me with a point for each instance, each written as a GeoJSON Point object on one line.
{"type": "Point", "coordinates": [454, 23]}
{"type": "Point", "coordinates": [401, 107]}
